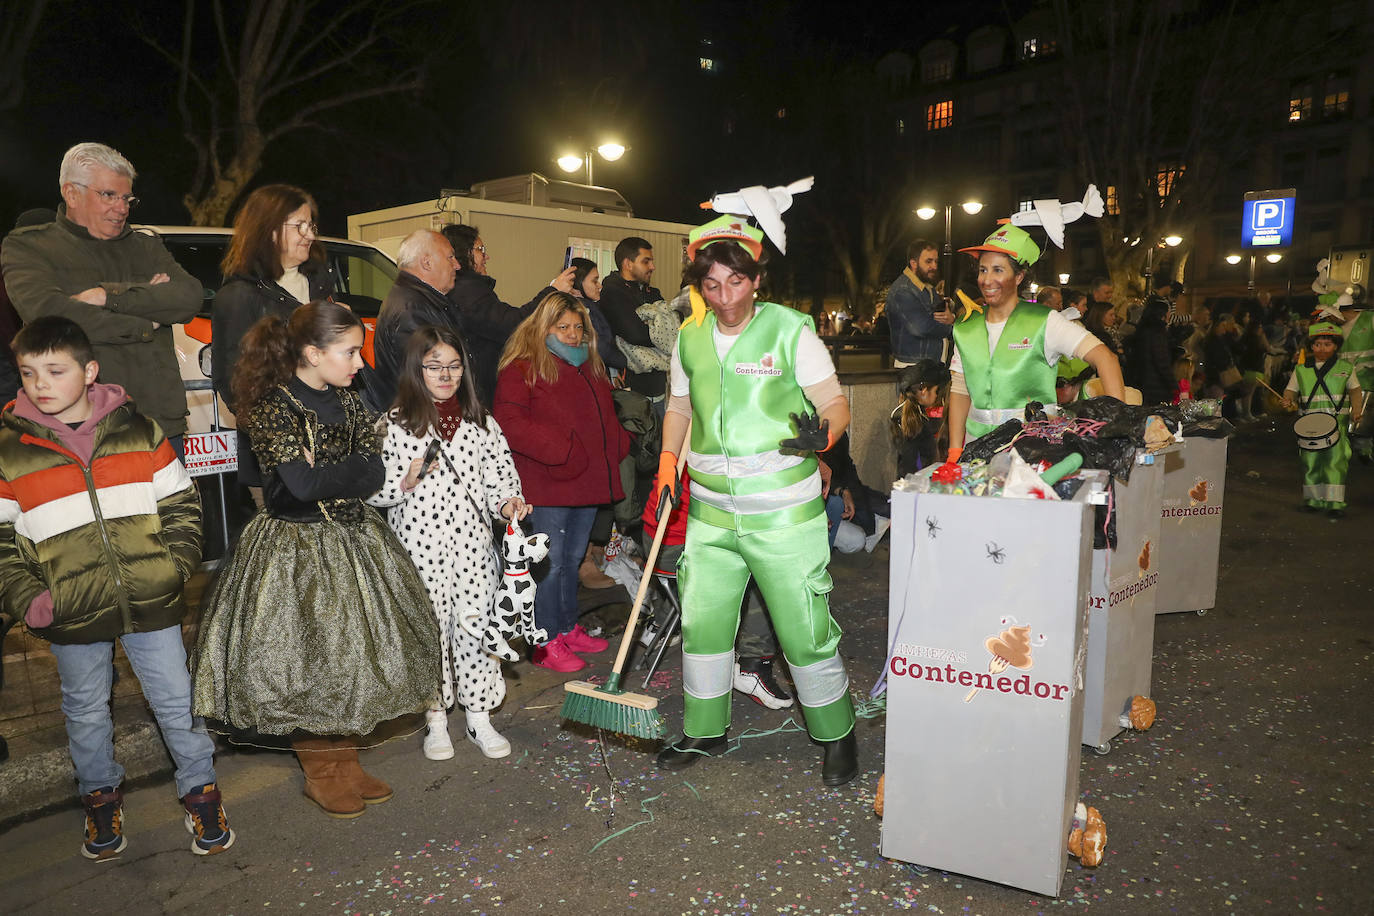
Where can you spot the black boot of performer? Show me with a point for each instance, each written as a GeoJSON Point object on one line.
{"type": "Point", "coordinates": [841, 760]}
{"type": "Point", "coordinates": [686, 751]}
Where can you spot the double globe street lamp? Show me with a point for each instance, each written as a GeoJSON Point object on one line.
{"type": "Point", "coordinates": [926, 212]}
{"type": "Point", "coordinates": [571, 162]}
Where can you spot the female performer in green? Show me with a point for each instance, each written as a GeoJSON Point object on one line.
{"type": "Point", "coordinates": [1007, 355]}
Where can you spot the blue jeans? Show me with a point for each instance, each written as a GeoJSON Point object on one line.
{"type": "Point", "coordinates": [569, 529]}
{"type": "Point", "coordinates": [834, 514]}
{"type": "Point", "coordinates": [159, 660]}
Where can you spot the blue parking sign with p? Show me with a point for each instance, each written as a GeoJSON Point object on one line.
{"type": "Point", "coordinates": [1267, 219]}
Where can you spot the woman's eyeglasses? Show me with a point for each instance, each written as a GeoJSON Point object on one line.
{"type": "Point", "coordinates": [305, 227]}
{"type": "Point", "coordinates": [441, 371]}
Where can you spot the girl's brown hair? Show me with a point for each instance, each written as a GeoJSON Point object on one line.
{"type": "Point", "coordinates": [254, 249]}
{"type": "Point", "coordinates": [414, 409]}
{"type": "Point", "coordinates": [273, 348]}
{"type": "Point", "coordinates": [527, 341]}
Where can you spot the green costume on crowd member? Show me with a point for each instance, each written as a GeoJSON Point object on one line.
{"type": "Point", "coordinates": [1359, 348]}
{"type": "Point", "coordinates": [1324, 471]}
{"type": "Point", "coordinates": [756, 510]}
{"type": "Point", "coordinates": [1000, 384]}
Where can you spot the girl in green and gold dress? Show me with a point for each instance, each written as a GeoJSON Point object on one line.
{"type": "Point", "coordinates": [318, 626]}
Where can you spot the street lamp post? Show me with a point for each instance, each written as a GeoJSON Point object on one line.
{"type": "Point", "coordinates": [571, 162]}
{"type": "Point", "coordinates": [1172, 241]}
{"type": "Point", "coordinates": [927, 212]}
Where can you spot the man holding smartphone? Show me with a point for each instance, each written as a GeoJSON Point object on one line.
{"type": "Point", "coordinates": [919, 318]}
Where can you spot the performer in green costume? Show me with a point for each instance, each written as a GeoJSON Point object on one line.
{"type": "Point", "coordinates": [1008, 354]}
{"type": "Point", "coordinates": [1328, 384]}
{"type": "Point", "coordinates": [743, 375]}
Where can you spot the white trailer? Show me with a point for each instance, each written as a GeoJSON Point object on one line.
{"type": "Point", "coordinates": [526, 242]}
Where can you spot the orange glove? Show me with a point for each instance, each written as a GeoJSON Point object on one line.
{"type": "Point", "coordinates": [669, 486]}
{"type": "Point", "coordinates": [953, 456]}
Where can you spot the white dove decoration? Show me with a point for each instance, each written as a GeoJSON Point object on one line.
{"type": "Point", "coordinates": [765, 205]}
{"type": "Point", "coordinates": [1052, 215]}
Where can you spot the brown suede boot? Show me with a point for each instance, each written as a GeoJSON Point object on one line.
{"type": "Point", "coordinates": [327, 781]}
{"type": "Point", "coordinates": [371, 789]}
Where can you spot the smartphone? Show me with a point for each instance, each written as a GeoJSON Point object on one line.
{"type": "Point", "coordinates": [567, 257]}
{"type": "Point", "coordinates": [430, 454]}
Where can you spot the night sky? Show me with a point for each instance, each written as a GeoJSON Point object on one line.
{"type": "Point", "coordinates": [506, 91]}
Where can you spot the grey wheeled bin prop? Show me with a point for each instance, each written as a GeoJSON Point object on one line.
{"type": "Point", "coordinates": [1121, 609]}
{"type": "Point", "coordinates": [984, 706]}
{"type": "Point", "coordinates": [1190, 526]}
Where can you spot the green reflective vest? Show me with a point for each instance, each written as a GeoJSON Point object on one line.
{"type": "Point", "coordinates": [740, 413]}
{"type": "Point", "coordinates": [1013, 374]}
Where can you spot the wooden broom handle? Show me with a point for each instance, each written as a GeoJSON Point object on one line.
{"type": "Point", "coordinates": [649, 563]}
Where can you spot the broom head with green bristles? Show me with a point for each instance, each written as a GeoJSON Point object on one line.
{"type": "Point", "coordinates": [609, 707]}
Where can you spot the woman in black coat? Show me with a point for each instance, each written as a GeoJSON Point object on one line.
{"type": "Point", "coordinates": [274, 264]}
{"type": "Point", "coordinates": [1150, 365]}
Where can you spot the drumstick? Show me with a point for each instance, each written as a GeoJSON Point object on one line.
{"type": "Point", "coordinates": [1271, 390]}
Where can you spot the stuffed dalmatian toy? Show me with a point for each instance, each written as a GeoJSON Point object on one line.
{"type": "Point", "coordinates": [513, 611]}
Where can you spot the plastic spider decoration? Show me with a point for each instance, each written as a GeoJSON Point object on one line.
{"type": "Point", "coordinates": [932, 526]}
{"type": "Point", "coordinates": [996, 554]}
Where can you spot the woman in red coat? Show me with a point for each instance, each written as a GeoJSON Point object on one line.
{"type": "Point", "coordinates": [553, 401]}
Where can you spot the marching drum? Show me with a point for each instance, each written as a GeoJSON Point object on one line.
{"type": "Point", "coordinates": [1317, 430]}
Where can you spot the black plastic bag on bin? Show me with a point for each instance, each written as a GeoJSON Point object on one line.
{"type": "Point", "coordinates": [991, 442]}
{"type": "Point", "coordinates": [1117, 456]}
{"type": "Point", "coordinates": [1033, 449]}
{"type": "Point", "coordinates": [1209, 428]}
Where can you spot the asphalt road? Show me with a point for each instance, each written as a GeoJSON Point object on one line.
{"type": "Point", "coordinates": [1250, 794]}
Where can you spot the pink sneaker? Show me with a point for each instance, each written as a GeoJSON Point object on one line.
{"type": "Point", "coordinates": [579, 640]}
{"type": "Point", "coordinates": [556, 656]}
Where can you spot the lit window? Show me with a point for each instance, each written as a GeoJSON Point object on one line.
{"type": "Point", "coordinates": [901, 127]}
{"type": "Point", "coordinates": [782, 113]}
{"type": "Point", "coordinates": [1300, 102]}
{"type": "Point", "coordinates": [1167, 176]}
{"type": "Point", "coordinates": [940, 115]}
{"type": "Point", "coordinates": [1113, 203]}
{"type": "Point", "coordinates": [1025, 205]}
{"type": "Point", "coordinates": [1336, 99]}
{"type": "Point", "coordinates": [1030, 47]}
{"type": "Point", "coordinates": [708, 64]}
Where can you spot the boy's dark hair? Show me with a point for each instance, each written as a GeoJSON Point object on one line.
{"type": "Point", "coordinates": [53, 334]}
{"type": "Point", "coordinates": [629, 249]}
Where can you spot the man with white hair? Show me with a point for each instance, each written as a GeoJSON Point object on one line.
{"type": "Point", "coordinates": [417, 298]}
{"type": "Point", "coordinates": [122, 287]}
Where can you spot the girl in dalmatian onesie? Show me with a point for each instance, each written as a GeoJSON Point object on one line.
{"type": "Point", "coordinates": [443, 514]}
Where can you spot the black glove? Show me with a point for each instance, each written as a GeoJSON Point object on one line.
{"type": "Point", "coordinates": [813, 433]}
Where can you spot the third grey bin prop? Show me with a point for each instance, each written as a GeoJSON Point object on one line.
{"type": "Point", "coordinates": [983, 781]}
{"type": "Point", "coordinates": [1190, 526]}
{"type": "Point", "coordinates": [1121, 610]}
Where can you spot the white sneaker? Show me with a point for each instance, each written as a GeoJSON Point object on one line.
{"type": "Point", "coordinates": [481, 733]}
{"type": "Point", "coordinates": [437, 743]}
{"type": "Point", "coordinates": [880, 527]}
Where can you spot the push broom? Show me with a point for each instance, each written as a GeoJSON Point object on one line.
{"type": "Point", "coordinates": [609, 707]}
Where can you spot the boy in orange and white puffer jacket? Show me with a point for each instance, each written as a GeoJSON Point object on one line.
{"type": "Point", "coordinates": [99, 531]}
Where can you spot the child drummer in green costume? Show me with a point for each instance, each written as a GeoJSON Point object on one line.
{"type": "Point", "coordinates": [1328, 385]}
{"type": "Point", "coordinates": [748, 376]}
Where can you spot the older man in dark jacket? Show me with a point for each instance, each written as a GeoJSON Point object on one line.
{"type": "Point", "coordinates": [417, 299]}
{"type": "Point", "coordinates": [122, 287]}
